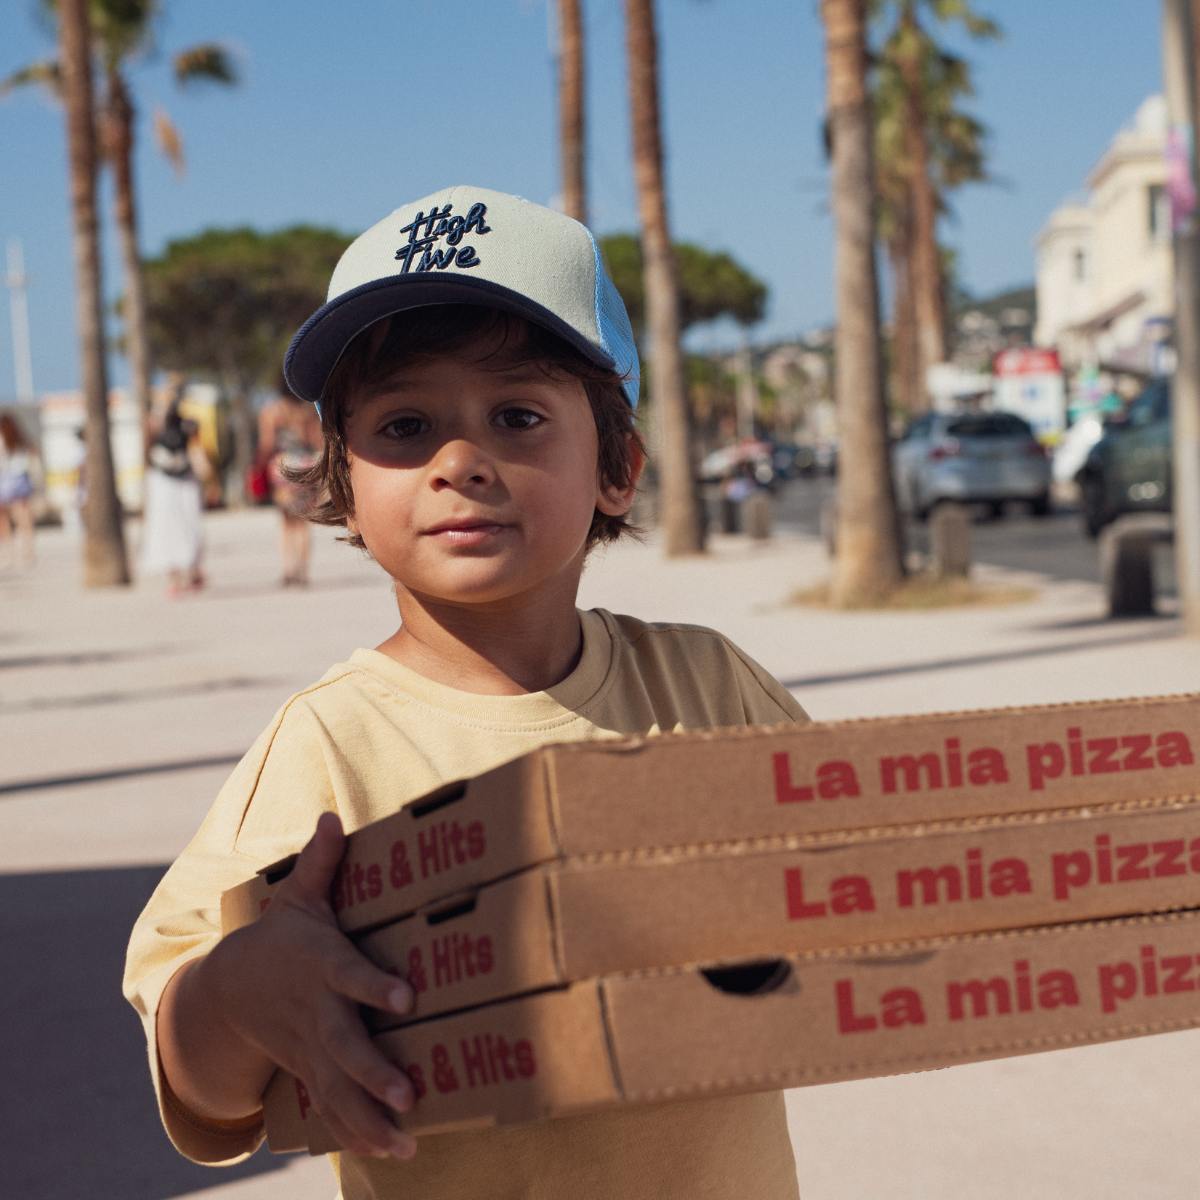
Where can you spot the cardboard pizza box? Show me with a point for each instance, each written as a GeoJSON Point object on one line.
{"type": "Point", "coordinates": [681, 1032]}
{"type": "Point", "coordinates": [691, 789]}
{"type": "Point", "coordinates": [565, 922]}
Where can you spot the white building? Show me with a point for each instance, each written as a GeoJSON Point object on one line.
{"type": "Point", "coordinates": [1104, 268]}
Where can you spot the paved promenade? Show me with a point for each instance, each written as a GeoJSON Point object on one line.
{"type": "Point", "coordinates": [122, 712]}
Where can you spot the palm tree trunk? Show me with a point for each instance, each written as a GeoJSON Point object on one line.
{"type": "Point", "coordinates": [571, 122]}
{"type": "Point", "coordinates": [118, 125]}
{"type": "Point", "coordinates": [907, 394]}
{"type": "Point", "coordinates": [926, 266]}
{"type": "Point", "coordinates": [869, 561]}
{"type": "Point", "coordinates": [679, 512]}
{"type": "Point", "coordinates": [105, 562]}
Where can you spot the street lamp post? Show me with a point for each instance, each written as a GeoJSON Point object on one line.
{"type": "Point", "coordinates": [22, 359]}
{"type": "Point", "coordinates": [1180, 86]}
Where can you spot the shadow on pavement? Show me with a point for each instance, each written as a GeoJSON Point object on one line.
{"type": "Point", "coordinates": [79, 658]}
{"type": "Point", "coordinates": [169, 691]}
{"type": "Point", "coordinates": [43, 782]}
{"type": "Point", "coordinates": [976, 660]}
{"type": "Point", "coordinates": [78, 1112]}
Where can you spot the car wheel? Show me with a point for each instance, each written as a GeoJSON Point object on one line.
{"type": "Point", "coordinates": [1091, 505]}
{"type": "Point", "coordinates": [995, 510]}
{"type": "Point", "coordinates": [1040, 505]}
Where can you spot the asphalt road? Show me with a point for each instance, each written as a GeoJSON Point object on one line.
{"type": "Point", "coordinates": [1054, 546]}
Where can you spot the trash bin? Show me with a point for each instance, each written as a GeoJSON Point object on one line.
{"type": "Point", "coordinates": [756, 515]}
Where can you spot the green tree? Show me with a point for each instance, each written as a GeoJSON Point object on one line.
{"type": "Point", "coordinates": [711, 284]}
{"type": "Point", "coordinates": [123, 31]}
{"type": "Point", "coordinates": [222, 305]}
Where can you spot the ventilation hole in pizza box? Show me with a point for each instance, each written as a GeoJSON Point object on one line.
{"type": "Point", "coordinates": [751, 978]}
{"type": "Point", "coordinates": [280, 870]}
{"type": "Point", "coordinates": [465, 905]}
{"type": "Point", "coordinates": [439, 799]}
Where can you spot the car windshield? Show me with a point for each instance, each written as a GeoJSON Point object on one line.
{"type": "Point", "coordinates": [988, 425]}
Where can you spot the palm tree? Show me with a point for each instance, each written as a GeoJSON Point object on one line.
{"type": "Point", "coordinates": [571, 120]}
{"type": "Point", "coordinates": [869, 560]}
{"type": "Point", "coordinates": [122, 30]}
{"type": "Point", "coordinates": [105, 561]}
{"type": "Point", "coordinates": [956, 156]}
{"type": "Point", "coordinates": [911, 50]}
{"type": "Point", "coordinates": [679, 506]}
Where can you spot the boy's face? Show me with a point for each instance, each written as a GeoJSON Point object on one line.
{"type": "Point", "coordinates": [475, 482]}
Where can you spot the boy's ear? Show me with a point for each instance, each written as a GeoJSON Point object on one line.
{"type": "Point", "coordinates": [614, 501]}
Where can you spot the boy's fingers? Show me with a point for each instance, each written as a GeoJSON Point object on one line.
{"type": "Point", "coordinates": [356, 1057]}
{"type": "Point", "coordinates": [361, 1126]}
{"type": "Point", "coordinates": [354, 976]}
{"type": "Point", "coordinates": [318, 862]}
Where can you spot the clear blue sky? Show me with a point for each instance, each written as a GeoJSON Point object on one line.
{"type": "Point", "coordinates": [346, 110]}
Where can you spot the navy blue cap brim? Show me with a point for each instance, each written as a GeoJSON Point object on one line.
{"type": "Point", "coordinates": [323, 338]}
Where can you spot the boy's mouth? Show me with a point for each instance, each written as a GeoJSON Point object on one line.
{"type": "Point", "coordinates": [469, 531]}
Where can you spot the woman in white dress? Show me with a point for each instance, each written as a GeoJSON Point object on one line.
{"type": "Point", "coordinates": [173, 530]}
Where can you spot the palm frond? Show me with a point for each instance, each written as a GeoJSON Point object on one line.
{"type": "Point", "coordinates": [47, 74]}
{"type": "Point", "coordinates": [169, 140]}
{"type": "Point", "coordinates": [206, 63]}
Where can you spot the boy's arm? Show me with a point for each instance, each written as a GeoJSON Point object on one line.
{"type": "Point", "coordinates": [284, 992]}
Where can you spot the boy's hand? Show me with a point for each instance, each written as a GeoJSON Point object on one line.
{"type": "Point", "coordinates": [290, 985]}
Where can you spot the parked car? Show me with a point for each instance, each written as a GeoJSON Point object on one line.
{"type": "Point", "coordinates": [791, 460]}
{"type": "Point", "coordinates": [1129, 469]}
{"type": "Point", "coordinates": [973, 458]}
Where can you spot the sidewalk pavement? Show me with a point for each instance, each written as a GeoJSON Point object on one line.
{"type": "Point", "coordinates": [121, 712]}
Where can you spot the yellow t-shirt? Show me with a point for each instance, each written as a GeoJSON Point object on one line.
{"type": "Point", "coordinates": [372, 736]}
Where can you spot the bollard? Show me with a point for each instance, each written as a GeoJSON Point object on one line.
{"type": "Point", "coordinates": [950, 541]}
{"type": "Point", "coordinates": [756, 515]}
{"type": "Point", "coordinates": [1127, 563]}
{"type": "Point", "coordinates": [729, 515]}
{"type": "Point", "coordinates": [828, 525]}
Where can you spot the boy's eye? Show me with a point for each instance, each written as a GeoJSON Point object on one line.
{"type": "Point", "coordinates": [404, 427]}
{"type": "Point", "coordinates": [519, 418]}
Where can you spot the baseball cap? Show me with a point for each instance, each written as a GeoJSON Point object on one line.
{"type": "Point", "coordinates": [470, 245]}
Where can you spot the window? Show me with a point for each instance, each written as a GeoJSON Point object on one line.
{"type": "Point", "coordinates": [990, 425]}
{"type": "Point", "coordinates": [1154, 404]}
{"type": "Point", "coordinates": [1158, 216]}
{"type": "Point", "coordinates": [1079, 266]}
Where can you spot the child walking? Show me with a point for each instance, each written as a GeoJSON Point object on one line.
{"type": "Point", "coordinates": [476, 378]}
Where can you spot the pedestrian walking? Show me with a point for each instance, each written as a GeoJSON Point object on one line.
{"type": "Point", "coordinates": [172, 528]}
{"type": "Point", "coordinates": [477, 386]}
{"type": "Point", "coordinates": [289, 442]}
{"type": "Point", "coordinates": [19, 464]}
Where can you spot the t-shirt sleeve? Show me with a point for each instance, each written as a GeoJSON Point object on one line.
{"type": "Point", "coordinates": [765, 700]}
{"type": "Point", "coordinates": [266, 810]}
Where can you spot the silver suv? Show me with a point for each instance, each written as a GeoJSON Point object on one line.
{"type": "Point", "coordinates": [985, 458]}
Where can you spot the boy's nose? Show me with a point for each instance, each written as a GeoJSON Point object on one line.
{"type": "Point", "coordinates": [458, 463]}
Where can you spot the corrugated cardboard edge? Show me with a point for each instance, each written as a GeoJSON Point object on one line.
{"type": "Point", "coordinates": [896, 950]}
{"type": "Point", "coordinates": [835, 838]}
{"type": "Point", "coordinates": [733, 733]}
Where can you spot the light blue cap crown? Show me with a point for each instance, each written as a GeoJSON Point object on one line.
{"type": "Point", "coordinates": [470, 245]}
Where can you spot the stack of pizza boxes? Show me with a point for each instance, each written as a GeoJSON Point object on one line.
{"type": "Point", "coordinates": [635, 920]}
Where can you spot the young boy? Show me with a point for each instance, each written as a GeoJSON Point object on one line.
{"type": "Point", "coordinates": [476, 378]}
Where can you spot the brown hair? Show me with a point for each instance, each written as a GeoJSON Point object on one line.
{"type": "Point", "coordinates": [371, 358]}
{"type": "Point", "coordinates": [11, 433]}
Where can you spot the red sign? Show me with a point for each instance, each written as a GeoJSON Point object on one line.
{"type": "Point", "coordinates": [1026, 360]}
